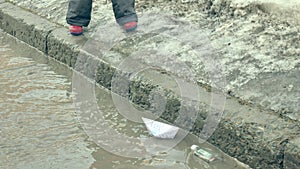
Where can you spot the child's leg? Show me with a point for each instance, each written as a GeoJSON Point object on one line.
{"type": "Point", "coordinates": [124, 11]}
{"type": "Point", "coordinates": [79, 12]}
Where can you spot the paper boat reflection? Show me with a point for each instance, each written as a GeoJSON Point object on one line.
{"type": "Point", "coordinates": [159, 129]}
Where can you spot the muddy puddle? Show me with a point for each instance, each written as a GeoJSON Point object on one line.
{"type": "Point", "coordinates": [41, 128]}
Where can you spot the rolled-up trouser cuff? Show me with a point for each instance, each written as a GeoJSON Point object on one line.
{"type": "Point", "coordinates": [78, 22]}
{"type": "Point", "coordinates": [128, 18]}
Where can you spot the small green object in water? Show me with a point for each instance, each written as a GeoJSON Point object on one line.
{"type": "Point", "coordinates": [203, 154]}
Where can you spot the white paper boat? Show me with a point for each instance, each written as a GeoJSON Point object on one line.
{"type": "Point", "coordinates": [159, 129]}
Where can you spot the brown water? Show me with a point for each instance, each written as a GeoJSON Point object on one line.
{"type": "Point", "coordinates": [39, 128]}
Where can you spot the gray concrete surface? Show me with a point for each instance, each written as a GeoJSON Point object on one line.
{"type": "Point", "coordinates": [257, 46]}
{"type": "Point", "coordinates": [292, 154]}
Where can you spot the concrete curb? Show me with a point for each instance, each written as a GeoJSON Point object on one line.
{"type": "Point", "coordinates": [239, 133]}
{"type": "Point", "coordinates": [26, 26]}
